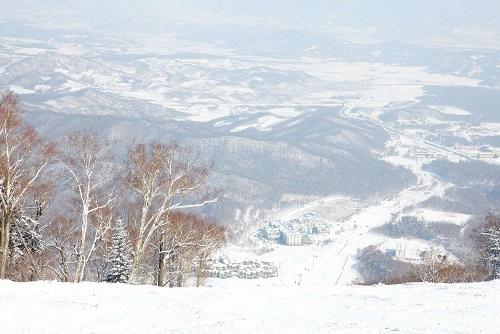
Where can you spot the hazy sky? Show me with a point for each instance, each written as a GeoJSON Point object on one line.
{"type": "Point", "coordinates": [417, 21]}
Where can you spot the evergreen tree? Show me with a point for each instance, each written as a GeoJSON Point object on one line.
{"type": "Point", "coordinates": [120, 257]}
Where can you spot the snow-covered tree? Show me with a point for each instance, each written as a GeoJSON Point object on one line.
{"type": "Point", "coordinates": [25, 249]}
{"type": "Point", "coordinates": [23, 156]}
{"type": "Point", "coordinates": [25, 238]}
{"type": "Point", "coordinates": [489, 236]}
{"type": "Point", "coordinates": [120, 256]}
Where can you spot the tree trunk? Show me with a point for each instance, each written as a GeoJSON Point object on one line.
{"type": "Point", "coordinates": [140, 249]}
{"type": "Point", "coordinates": [171, 265]}
{"type": "Point", "coordinates": [4, 246]}
{"type": "Point", "coordinates": [200, 273]}
{"type": "Point", "coordinates": [161, 262]}
{"type": "Point", "coordinates": [80, 268]}
{"type": "Point", "coordinates": [2, 233]}
{"type": "Point", "coordinates": [180, 277]}
{"type": "Point", "coordinates": [134, 272]}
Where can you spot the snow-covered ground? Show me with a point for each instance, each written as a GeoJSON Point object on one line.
{"type": "Point", "coordinates": [441, 216]}
{"type": "Point", "coordinates": [48, 307]}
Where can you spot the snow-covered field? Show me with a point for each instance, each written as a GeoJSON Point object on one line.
{"type": "Point", "coordinates": [48, 307]}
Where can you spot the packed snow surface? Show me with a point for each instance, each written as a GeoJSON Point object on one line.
{"type": "Point", "coordinates": [49, 307]}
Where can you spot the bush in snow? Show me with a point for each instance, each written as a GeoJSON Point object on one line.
{"type": "Point", "coordinates": [120, 256]}
{"type": "Point", "coordinates": [376, 267]}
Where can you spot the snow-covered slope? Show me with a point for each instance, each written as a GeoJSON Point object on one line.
{"type": "Point", "coordinates": [96, 308]}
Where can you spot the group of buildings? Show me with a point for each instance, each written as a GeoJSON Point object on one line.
{"type": "Point", "coordinates": [479, 152]}
{"type": "Point", "coordinates": [296, 232]}
{"type": "Point", "coordinates": [420, 154]}
{"type": "Point", "coordinates": [474, 152]}
{"type": "Point", "coordinates": [224, 268]}
{"type": "Point", "coordinates": [415, 255]}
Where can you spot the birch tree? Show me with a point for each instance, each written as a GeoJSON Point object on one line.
{"type": "Point", "coordinates": [211, 238]}
{"type": "Point", "coordinates": [188, 242]}
{"type": "Point", "coordinates": [162, 178]}
{"type": "Point", "coordinates": [61, 238]}
{"type": "Point", "coordinates": [179, 241]}
{"type": "Point", "coordinates": [89, 167]}
{"type": "Point", "coordinates": [23, 156]}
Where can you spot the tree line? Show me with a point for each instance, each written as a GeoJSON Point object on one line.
{"type": "Point", "coordinates": [73, 211]}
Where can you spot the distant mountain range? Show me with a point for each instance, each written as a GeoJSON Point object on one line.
{"type": "Point", "coordinates": [280, 108]}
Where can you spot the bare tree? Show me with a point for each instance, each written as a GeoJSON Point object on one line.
{"type": "Point", "coordinates": [211, 238]}
{"type": "Point", "coordinates": [89, 166]}
{"type": "Point", "coordinates": [177, 251]}
{"type": "Point", "coordinates": [188, 242]}
{"type": "Point", "coordinates": [162, 177]}
{"type": "Point", "coordinates": [23, 156]}
{"type": "Point", "coordinates": [61, 238]}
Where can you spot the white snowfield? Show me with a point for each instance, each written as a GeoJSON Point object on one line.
{"type": "Point", "coordinates": [49, 307]}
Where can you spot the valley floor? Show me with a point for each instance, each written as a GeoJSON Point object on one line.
{"type": "Point", "coordinates": [49, 307]}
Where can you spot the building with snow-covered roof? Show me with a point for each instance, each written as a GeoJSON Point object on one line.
{"type": "Point", "coordinates": [292, 239]}
{"type": "Point", "coordinates": [248, 269]}
{"type": "Point", "coordinates": [298, 231]}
